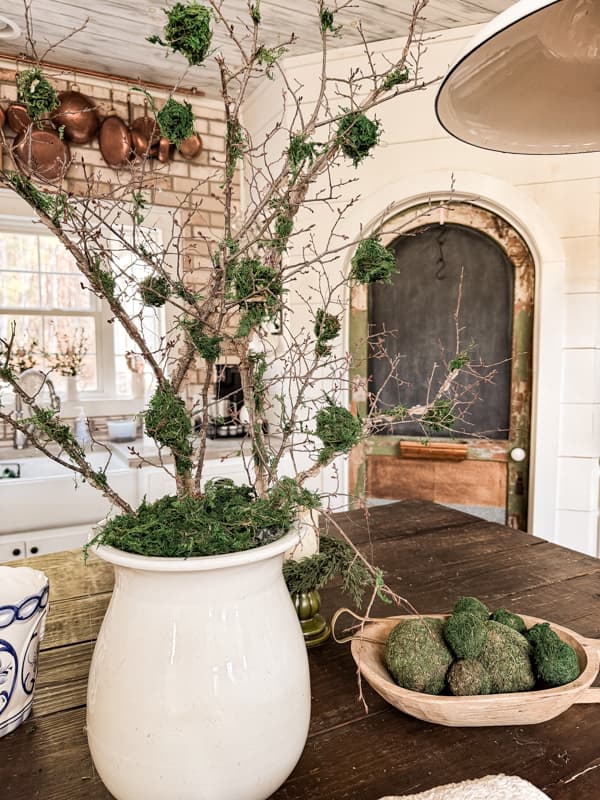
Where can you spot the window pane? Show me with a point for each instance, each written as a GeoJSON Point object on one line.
{"type": "Point", "coordinates": [71, 341]}
{"type": "Point", "coordinates": [28, 345]}
{"type": "Point", "coordinates": [18, 251]}
{"type": "Point", "coordinates": [55, 258]}
{"type": "Point", "coordinates": [19, 290]}
{"type": "Point", "coordinates": [65, 291]}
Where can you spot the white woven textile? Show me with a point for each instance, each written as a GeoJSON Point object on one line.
{"type": "Point", "coordinates": [492, 787]}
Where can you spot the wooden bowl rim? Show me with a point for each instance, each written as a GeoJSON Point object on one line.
{"type": "Point", "coordinates": [584, 681]}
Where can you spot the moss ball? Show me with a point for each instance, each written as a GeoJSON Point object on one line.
{"type": "Point", "coordinates": [472, 606]}
{"type": "Point", "coordinates": [513, 621]}
{"type": "Point", "coordinates": [555, 661]}
{"type": "Point", "coordinates": [417, 656]}
{"type": "Point", "coordinates": [465, 635]}
{"type": "Point", "coordinates": [155, 290]}
{"type": "Point", "coordinates": [468, 677]}
{"type": "Point", "coordinates": [506, 656]}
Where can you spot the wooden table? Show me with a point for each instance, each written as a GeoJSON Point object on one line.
{"type": "Point", "coordinates": [431, 555]}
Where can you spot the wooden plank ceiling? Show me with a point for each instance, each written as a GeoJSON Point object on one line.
{"type": "Point", "coordinates": [113, 39]}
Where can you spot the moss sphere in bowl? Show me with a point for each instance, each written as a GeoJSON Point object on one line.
{"type": "Point", "coordinates": [465, 634]}
{"type": "Point", "coordinates": [417, 656]}
{"type": "Point", "coordinates": [508, 618]}
{"type": "Point", "coordinates": [471, 605]}
{"type": "Point", "coordinates": [555, 661]}
{"type": "Point", "coordinates": [507, 657]}
{"type": "Point", "coordinates": [468, 677]}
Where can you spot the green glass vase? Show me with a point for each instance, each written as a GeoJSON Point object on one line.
{"type": "Point", "coordinates": [314, 627]}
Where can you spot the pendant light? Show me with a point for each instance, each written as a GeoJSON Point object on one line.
{"type": "Point", "coordinates": [529, 82]}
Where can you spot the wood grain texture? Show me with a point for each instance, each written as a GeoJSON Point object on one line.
{"type": "Point", "coordinates": [431, 554]}
{"type": "Point", "coordinates": [113, 41]}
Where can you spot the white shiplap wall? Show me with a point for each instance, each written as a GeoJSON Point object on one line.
{"type": "Point", "coordinates": [555, 202]}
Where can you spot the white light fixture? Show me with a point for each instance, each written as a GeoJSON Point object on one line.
{"type": "Point", "coordinates": [8, 28]}
{"type": "Point", "coordinates": [529, 82]}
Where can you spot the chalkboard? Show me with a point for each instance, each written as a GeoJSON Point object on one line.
{"type": "Point", "coordinates": [414, 318]}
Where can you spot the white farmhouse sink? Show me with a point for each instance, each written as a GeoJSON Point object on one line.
{"type": "Point", "coordinates": [48, 495]}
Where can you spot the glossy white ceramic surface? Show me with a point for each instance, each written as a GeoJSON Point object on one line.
{"type": "Point", "coordinates": [199, 686]}
{"type": "Point", "coordinates": [23, 609]}
{"type": "Point", "coordinates": [529, 82]}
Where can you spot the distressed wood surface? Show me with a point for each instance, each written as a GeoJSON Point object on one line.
{"type": "Point", "coordinates": [431, 555]}
{"type": "Point", "coordinates": [113, 40]}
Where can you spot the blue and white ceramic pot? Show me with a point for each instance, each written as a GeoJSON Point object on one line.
{"type": "Point", "coordinates": [23, 608]}
{"type": "Point", "coordinates": [199, 685]}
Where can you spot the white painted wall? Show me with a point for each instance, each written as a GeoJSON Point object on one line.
{"type": "Point", "coordinates": [554, 203]}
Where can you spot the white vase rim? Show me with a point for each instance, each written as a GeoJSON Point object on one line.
{"type": "Point", "coordinates": [195, 563]}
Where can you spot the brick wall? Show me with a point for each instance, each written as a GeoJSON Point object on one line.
{"type": "Point", "coordinates": [167, 184]}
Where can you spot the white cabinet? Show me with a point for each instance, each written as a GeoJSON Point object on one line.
{"type": "Point", "coordinates": [42, 542]}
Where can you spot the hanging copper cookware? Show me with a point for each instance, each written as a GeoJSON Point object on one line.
{"type": "Point", "coordinates": [191, 147]}
{"type": "Point", "coordinates": [145, 135]}
{"type": "Point", "coordinates": [41, 152]}
{"type": "Point", "coordinates": [77, 115]}
{"type": "Point", "coordinates": [17, 118]}
{"type": "Point", "coordinates": [2, 118]}
{"type": "Point", "coordinates": [115, 141]}
{"type": "Point", "coordinates": [164, 150]}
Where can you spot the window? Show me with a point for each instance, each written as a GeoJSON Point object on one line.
{"type": "Point", "coordinates": [43, 294]}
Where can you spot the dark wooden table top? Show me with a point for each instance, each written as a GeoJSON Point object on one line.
{"type": "Point", "coordinates": [431, 555]}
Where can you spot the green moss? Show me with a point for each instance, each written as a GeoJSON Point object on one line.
{"type": "Point", "coordinates": [372, 262]}
{"type": "Point", "coordinates": [327, 19]}
{"type": "Point", "coordinates": [236, 146]}
{"type": "Point", "coordinates": [513, 621]}
{"type": "Point", "coordinates": [471, 605]}
{"type": "Point", "coordinates": [188, 31]}
{"type": "Point", "coordinates": [52, 205]}
{"type": "Point", "coordinates": [255, 12]}
{"type": "Point", "coordinates": [38, 95]}
{"type": "Point", "coordinates": [300, 152]}
{"type": "Point", "coordinates": [226, 519]}
{"type": "Point", "coordinates": [338, 429]}
{"type": "Point", "coordinates": [155, 290]}
{"type": "Point", "coordinates": [507, 658]}
{"type": "Point", "coordinates": [258, 289]}
{"type": "Point", "coordinates": [357, 135]}
{"type": "Point", "coordinates": [417, 656]}
{"type": "Point", "coordinates": [208, 346]}
{"type": "Point", "coordinates": [327, 328]}
{"type": "Point", "coordinates": [555, 661]}
{"type": "Point", "coordinates": [395, 78]}
{"type": "Point", "coordinates": [168, 423]}
{"type": "Point", "coordinates": [467, 677]}
{"type": "Point", "coordinates": [335, 558]}
{"type": "Point", "coordinates": [284, 225]}
{"type": "Point", "coordinates": [459, 362]}
{"type": "Point", "coordinates": [465, 635]}
{"type": "Point", "coordinates": [176, 121]}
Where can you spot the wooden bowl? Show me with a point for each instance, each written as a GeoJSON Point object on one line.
{"type": "Point", "coordinates": [516, 708]}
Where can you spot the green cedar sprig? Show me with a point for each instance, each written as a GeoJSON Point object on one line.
{"type": "Point", "coordinates": [334, 559]}
{"type": "Point", "coordinates": [327, 328]}
{"type": "Point", "coordinates": [38, 95]}
{"type": "Point", "coordinates": [338, 429]}
{"type": "Point", "coordinates": [357, 135]}
{"type": "Point", "coordinates": [188, 31]}
{"type": "Point", "coordinates": [176, 121]}
{"type": "Point", "coordinates": [440, 415]}
{"type": "Point", "coordinates": [372, 262]}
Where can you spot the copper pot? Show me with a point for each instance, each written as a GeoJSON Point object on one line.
{"type": "Point", "coordinates": [115, 141]}
{"type": "Point", "coordinates": [2, 118]}
{"type": "Point", "coordinates": [42, 152]}
{"type": "Point", "coordinates": [77, 114]}
{"type": "Point", "coordinates": [164, 150]}
{"type": "Point", "coordinates": [17, 118]}
{"type": "Point", "coordinates": [145, 135]}
{"type": "Point", "coordinates": [191, 147]}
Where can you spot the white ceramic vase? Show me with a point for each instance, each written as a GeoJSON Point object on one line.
{"type": "Point", "coordinates": [199, 685]}
{"type": "Point", "coordinates": [72, 389]}
{"type": "Point", "coordinates": [23, 609]}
